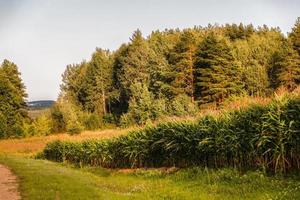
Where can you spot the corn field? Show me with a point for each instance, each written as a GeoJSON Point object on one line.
{"type": "Point", "coordinates": [263, 137]}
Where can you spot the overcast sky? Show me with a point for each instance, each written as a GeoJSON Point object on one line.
{"type": "Point", "coordinates": [43, 36]}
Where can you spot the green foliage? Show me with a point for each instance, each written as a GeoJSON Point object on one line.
{"type": "Point", "coordinates": [265, 137]}
{"type": "Point", "coordinates": [182, 105]}
{"type": "Point", "coordinates": [234, 31]}
{"type": "Point", "coordinates": [42, 125]}
{"type": "Point", "coordinates": [132, 64]}
{"type": "Point", "coordinates": [294, 36]}
{"type": "Point", "coordinates": [182, 59]}
{"type": "Point", "coordinates": [58, 121]}
{"type": "Point", "coordinates": [255, 56]}
{"type": "Point", "coordinates": [12, 101]}
{"type": "Point", "coordinates": [91, 121]}
{"type": "Point", "coordinates": [142, 106]}
{"type": "Point", "coordinates": [206, 64]}
{"type": "Point", "coordinates": [67, 117]}
{"type": "Point", "coordinates": [286, 67]}
{"type": "Point", "coordinates": [217, 72]}
{"type": "Point", "coordinates": [98, 82]}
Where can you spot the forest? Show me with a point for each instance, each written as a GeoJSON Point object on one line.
{"type": "Point", "coordinates": [168, 73]}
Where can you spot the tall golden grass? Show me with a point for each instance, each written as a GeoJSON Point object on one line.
{"type": "Point", "coordinates": [32, 145]}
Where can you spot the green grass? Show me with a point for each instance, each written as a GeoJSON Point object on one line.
{"type": "Point", "coordinates": [40, 179]}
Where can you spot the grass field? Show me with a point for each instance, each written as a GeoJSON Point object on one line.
{"type": "Point", "coordinates": [41, 179]}
{"type": "Point", "coordinates": [30, 146]}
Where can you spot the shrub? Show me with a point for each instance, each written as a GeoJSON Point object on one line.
{"type": "Point", "coordinates": [182, 105]}
{"type": "Point", "coordinates": [58, 122]}
{"type": "Point", "coordinates": [91, 121]}
{"type": "Point", "coordinates": [42, 125]}
{"type": "Point", "coordinates": [68, 117]}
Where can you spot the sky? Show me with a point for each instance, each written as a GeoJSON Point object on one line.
{"type": "Point", "coordinates": [43, 36]}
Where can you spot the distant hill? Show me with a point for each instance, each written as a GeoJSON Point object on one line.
{"type": "Point", "coordinates": [42, 104]}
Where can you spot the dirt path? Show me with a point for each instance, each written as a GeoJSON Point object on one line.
{"type": "Point", "coordinates": [8, 185]}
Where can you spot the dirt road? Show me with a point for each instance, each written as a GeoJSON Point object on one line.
{"type": "Point", "coordinates": [8, 185]}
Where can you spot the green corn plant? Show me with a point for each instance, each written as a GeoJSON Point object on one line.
{"type": "Point", "coordinates": [266, 137]}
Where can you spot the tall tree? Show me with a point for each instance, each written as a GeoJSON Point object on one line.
{"type": "Point", "coordinates": [161, 44]}
{"type": "Point", "coordinates": [255, 55]}
{"type": "Point", "coordinates": [98, 81]}
{"type": "Point", "coordinates": [216, 70]}
{"type": "Point", "coordinates": [182, 60]}
{"type": "Point", "coordinates": [72, 84]}
{"type": "Point", "coordinates": [286, 67]}
{"type": "Point", "coordinates": [12, 101]}
{"type": "Point", "coordinates": [131, 65]}
{"type": "Point", "coordinates": [294, 36]}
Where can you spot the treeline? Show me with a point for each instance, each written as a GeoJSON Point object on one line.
{"type": "Point", "coordinates": [176, 72]}
{"type": "Point", "coordinates": [262, 137]}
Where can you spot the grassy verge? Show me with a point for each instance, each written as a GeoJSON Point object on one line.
{"type": "Point", "coordinates": [41, 179]}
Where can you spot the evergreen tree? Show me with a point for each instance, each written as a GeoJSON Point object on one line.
{"type": "Point", "coordinates": [12, 101]}
{"type": "Point", "coordinates": [73, 87]}
{"type": "Point", "coordinates": [294, 36]}
{"type": "Point", "coordinates": [14, 76]}
{"type": "Point", "coordinates": [234, 31]}
{"type": "Point", "coordinates": [182, 60]}
{"type": "Point", "coordinates": [286, 67]}
{"type": "Point", "coordinates": [98, 81]}
{"type": "Point", "coordinates": [132, 64]}
{"type": "Point", "coordinates": [160, 69]}
{"type": "Point", "coordinates": [216, 70]}
{"type": "Point", "coordinates": [135, 62]}
{"type": "Point", "coordinates": [254, 55]}
{"type": "Point", "coordinates": [143, 107]}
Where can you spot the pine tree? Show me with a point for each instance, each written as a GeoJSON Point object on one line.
{"type": "Point", "coordinates": [135, 63]}
{"type": "Point", "coordinates": [131, 65]}
{"type": "Point", "coordinates": [254, 56]}
{"type": "Point", "coordinates": [182, 60]}
{"type": "Point", "coordinates": [286, 67]}
{"type": "Point", "coordinates": [12, 101]}
{"type": "Point", "coordinates": [72, 87]}
{"type": "Point", "coordinates": [216, 70]}
{"type": "Point", "coordinates": [159, 68]}
{"type": "Point", "coordinates": [294, 36]}
{"type": "Point", "coordinates": [98, 81]}
{"type": "Point", "coordinates": [13, 74]}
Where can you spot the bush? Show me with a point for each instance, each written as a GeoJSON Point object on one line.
{"type": "Point", "coordinates": [58, 122]}
{"type": "Point", "coordinates": [66, 117]}
{"type": "Point", "coordinates": [143, 107]}
{"type": "Point", "coordinates": [181, 105]}
{"type": "Point", "coordinates": [42, 125]}
{"type": "Point", "coordinates": [91, 121]}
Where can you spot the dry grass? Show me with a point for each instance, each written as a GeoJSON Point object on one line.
{"type": "Point", "coordinates": [32, 145]}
